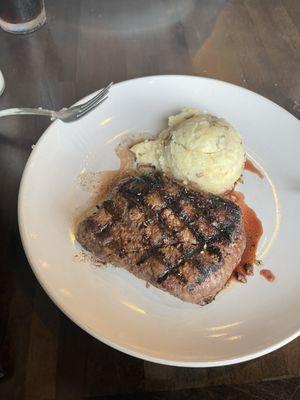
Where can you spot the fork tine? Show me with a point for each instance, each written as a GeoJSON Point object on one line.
{"type": "Point", "coordinates": [98, 96]}
{"type": "Point", "coordinates": [81, 113]}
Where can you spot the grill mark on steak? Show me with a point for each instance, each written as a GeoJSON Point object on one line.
{"type": "Point", "coordinates": [137, 194]}
{"type": "Point", "coordinates": [173, 225]}
{"type": "Point", "coordinates": [135, 191]}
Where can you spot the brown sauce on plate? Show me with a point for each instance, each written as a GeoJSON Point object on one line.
{"type": "Point", "coordinates": [268, 275]}
{"type": "Point", "coordinates": [100, 184]}
{"type": "Point", "coordinates": [108, 179]}
{"type": "Point", "coordinates": [249, 166]}
{"type": "Point", "coordinates": [253, 231]}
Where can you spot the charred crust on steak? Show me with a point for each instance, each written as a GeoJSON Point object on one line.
{"type": "Point", "coordinates": [187, 235]}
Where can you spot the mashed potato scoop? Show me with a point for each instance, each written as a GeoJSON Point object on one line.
{"type": "Point", "coordinates": [197, 148]}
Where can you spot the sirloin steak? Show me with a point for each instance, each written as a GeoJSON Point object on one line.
{"type": "Point", "coordinates": [180, 240]}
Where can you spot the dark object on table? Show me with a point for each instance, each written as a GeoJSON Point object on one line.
{"type": "Point", "coordinates": [22, 16]}
{"type": "Point", "coordinates": [179, 240]}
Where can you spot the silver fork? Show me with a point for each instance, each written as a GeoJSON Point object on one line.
{"type": "Point", "coordinates": [65, 114]}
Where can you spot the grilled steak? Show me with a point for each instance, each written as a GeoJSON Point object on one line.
{"type": "Point", "coordinates": [179, 240]}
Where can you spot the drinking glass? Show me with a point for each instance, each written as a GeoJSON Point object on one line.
{"type": "Point", "coordinates": [22, 16]}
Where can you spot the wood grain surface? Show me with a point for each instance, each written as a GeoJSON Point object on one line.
{"type": "Point", "coordinates": [84, 45]}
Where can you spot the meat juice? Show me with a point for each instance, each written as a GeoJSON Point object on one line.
{"type": "Point", "coordinates": [249, 166]}
{"type": "Point", "coordinates": [253, 231]}
{"type": "Point", "coordinates": [267, 274]}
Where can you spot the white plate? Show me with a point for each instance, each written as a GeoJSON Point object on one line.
{"type": "Point", "coordinates": [245, 321]}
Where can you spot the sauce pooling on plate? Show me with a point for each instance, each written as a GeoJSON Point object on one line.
{"type": "Point", "coordinates": [253, 231]}
{"type": "Point", "coordinates": [249, 166]}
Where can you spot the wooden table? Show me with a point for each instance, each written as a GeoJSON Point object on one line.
{"type": "Point", "coordinates": [85, 44]}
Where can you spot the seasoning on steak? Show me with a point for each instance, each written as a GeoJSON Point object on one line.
{"type": "Point", "coordinates": [179, 240]}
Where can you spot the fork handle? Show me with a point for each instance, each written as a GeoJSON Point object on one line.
{"type": "Point", "coordinates": [28, 111]}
